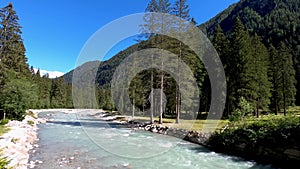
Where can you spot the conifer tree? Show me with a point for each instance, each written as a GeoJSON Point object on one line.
{"type": "Point", "coordinates": [221, 44]}
{"type": "Point", "coordinates": [257, 90]}
{"type": "Point", "coordinates": [275, 75]}
{"type": "Point", "coordinates": [288, 77]}
{"type": "Point", "coordinates": [150, 25]}
{"type": "Point", "coordinates": [12, 53]}
{"type": "Point", "coordinates": [58, 93]}
{"type": "Point", "coordinates": [283, 78]}
{"type": "Point", "coordinates": [181, 10]}
{"type": "Point", "coordinates": [239, 55]}
{"type": "Point", "coordinates": [164, 7]}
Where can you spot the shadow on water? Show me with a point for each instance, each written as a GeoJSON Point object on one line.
{"type": "Point", "coordinates": [90, 123]}
{"type": "Point", "coordinates": [199, 149]}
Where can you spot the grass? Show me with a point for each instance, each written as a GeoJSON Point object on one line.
{"type": "Point", "coordinates": [3, 130]}
{"type": "Point", "coordinates": [294, 110]}
{"type": "Point", "coordinates": [195, 125]}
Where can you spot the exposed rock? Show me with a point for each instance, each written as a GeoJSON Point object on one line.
{"type": "Point", "coordinates": [292, 153]}
{"type": "Point", "coordinates": [19, 140]}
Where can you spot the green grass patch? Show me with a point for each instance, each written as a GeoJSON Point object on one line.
{"type": "Point", "coordinates": [30, 122]}
{"type": "Point", "coordinates": [31, 114]}
{"type": "Point", "coordinates": [3, 129]}
{"type": "Point", "coordinates": [195, 125]}
{"type": "Point", "coordinates": [294, 110]}
{"type": "Point", "coordinates": [3, 161]}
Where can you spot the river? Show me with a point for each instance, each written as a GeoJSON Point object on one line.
{"type": "Point", "coordinates": [80, 141]}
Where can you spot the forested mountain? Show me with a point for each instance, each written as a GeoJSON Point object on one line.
{"type": "Point", "coordinates": [275, 21]}
{"type": "Point", "coordinates": [258, 42]}
{"type": "Point", "coordinates": [21, 87]}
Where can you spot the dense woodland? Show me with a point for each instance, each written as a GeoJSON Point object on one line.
{"type": "Point", "coordinates": [21, 87]}
{"type": "Point", "coordinates": [257, 41]}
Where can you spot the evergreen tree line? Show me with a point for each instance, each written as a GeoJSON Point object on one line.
{"type": "Point", "coordinates": [261, 76]}
{"type": "Point", "coordinates": [21, 87]}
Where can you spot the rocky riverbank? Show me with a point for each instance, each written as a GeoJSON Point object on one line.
{"type": "Point", "coordinates": [196, 137]}
{"type": "Point", "coordinates": [19, 140]}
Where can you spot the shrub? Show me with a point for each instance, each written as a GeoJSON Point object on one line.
{"type": "Point", "coordinates": [30, 122]}
{"type": "Point", "coordinates": [244, 108]}
{"type": "Point", "coordinates": [31, 114]}
{"type": "Point", "coordinates": [3, 161]}
{"type": "Point", "coordinates": [269, 131]}
{"type": "Point", "coordinates": [4, 121]}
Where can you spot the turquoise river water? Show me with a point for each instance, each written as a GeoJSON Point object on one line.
{"type": "Point", "coordinates": [80, 141]}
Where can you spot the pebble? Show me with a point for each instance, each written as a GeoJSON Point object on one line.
{"type": "Point", "coordinates": [20, 139]}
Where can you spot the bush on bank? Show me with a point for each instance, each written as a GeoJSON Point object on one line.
{"type": "Point", "coordinates": [269, 139]}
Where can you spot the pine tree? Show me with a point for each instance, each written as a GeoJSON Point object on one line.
{"type": "Point", "coordinates": [257, 90]}
{"type": "Point", "coordinates": [164, 7]}
{"type": "Point", "coordinates": [58, 93]}
{"type": "Point", "coordinates": [283, 78]}
{"type": "Point", "coordinates": [181, 10]}
{"type": "Point", "coordinates": [275, 79]}
{"type": "Point", "coordinates": [288, 77]}
{"type": "Point", "coordinates": [12, 53]}
{"type": "Point", "coordinates": [240, 54]}
{"type": "Point", "coordinates": [221, 44]}
{"type": "Point", "coordinates": [150, 25]}
{"type": "Point", "coordinates": [17, 91]}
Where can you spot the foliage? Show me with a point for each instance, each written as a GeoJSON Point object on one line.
{"type": "Point", "coordinates": [17, 95]}
{"type": "Point", "coordinates": [274, 21]}
{"type": "Point", "coordinates": [3, 161]}
{"type": "Point", "coordinates": [244, 108]}
{"type": "Point", "coordinates": [269, 131]}
{"type": "Point", "coordinates": [3, 129]}
{"type": "Point", "coordinates": [30, 122]}
{"type": "Point", "coordinates": [58, 93]}
{"type": "Point", "coordinates": [283, 78]}
{"type": "Point", "coordinates": [4, 121]}
{"type": "Point", "coordinates": [31, 114]}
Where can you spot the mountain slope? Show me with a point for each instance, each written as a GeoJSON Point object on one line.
{"type": "Point", "coordinates": [274, 20]}
{"type": "Point", "coordinates": [105, 69]}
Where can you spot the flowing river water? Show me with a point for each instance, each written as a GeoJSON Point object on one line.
{"type": "Point", "coordinates": [80, 141]}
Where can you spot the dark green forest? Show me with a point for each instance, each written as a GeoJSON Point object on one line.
{"type": "Point", "coordinates": [21, 87]}
{"type": "Point", "coordinates": [257, 41]}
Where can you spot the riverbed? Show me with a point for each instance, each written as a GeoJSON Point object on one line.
{"type": "Point", "coordinates": [81, 141]}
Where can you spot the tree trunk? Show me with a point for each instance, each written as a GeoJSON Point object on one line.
{"type": "Point", "coordinates": [161, 97]}
{"type": "Point", "coordinates": [276, 106]}
{"type": "Point", "coordinates": [257, 109]}
{"type": "Point", "coordinates": [151, 97]}
{"type": "Point", "coordinates": [283, 91]}
{"type": "Point", "coordinates": [133, 108]}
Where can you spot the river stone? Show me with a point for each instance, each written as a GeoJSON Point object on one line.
{"type": "Point", "coordinates": [292, 153]}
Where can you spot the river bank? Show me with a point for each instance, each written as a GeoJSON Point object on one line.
{"type": "Point", "coordinates": [19, 140]}
{"type": "Point", "coordinates": [22, 137]}
{"type": "Point", "coordinates": [93, 139]}
{"type": "Point", "coordinates": [23, 140]}
{"type": "Point", "coordinates": [197, 137]}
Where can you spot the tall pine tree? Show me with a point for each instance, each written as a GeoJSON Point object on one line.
{"type": "Point", "coordinates": [181, 10]}
{"type": "Point", "coordinates": [258, 86]}
{"type": "Point", "coordinates": [12, 50]}
{"type": "Point", "coordinates": [221, 44]}
{"type": "Point", "coordinates": [239, 55]}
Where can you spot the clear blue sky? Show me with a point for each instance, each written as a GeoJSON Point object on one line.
{"type": "Point", "coordinates": [54, 31]}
